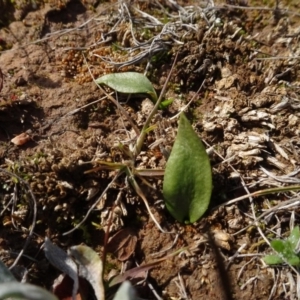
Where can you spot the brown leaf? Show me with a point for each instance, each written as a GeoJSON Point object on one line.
{"type": "Point", "coordinates": [122, 244]}
{"type": "Point", "coordinates": [138, 272]}
{"type": "Point", "coordinates": [21, 139]}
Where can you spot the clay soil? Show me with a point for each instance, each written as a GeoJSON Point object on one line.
{"type": "Point", "coordinates": [237, 60]}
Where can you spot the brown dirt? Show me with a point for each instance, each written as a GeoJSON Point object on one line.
{"type": "Point", "coordinates": [44, 47]}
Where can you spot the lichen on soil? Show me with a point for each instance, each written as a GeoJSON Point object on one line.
{"type": "Point", "coordinates": [241, 65]}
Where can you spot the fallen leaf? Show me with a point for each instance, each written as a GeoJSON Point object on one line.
{"type": "Point", "coordinates": [138, 272]}
{"type": "Point", "coordinates": [122, 244]}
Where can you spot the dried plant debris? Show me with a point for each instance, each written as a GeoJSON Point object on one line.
{"type": "Point", "coordinates": [244, 60]}
{"type": "Point", "coordinates": [123, 243]}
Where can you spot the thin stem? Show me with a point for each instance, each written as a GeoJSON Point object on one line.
{"type": "Point", "coordinates": [141, 195]}
{"type": "Point", "coordinates": [95, 204]}
{"type": "Point", "coordinates": [141, 138]}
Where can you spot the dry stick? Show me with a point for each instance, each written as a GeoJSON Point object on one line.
{"type": "Point", "coordinates": [70, 113]}
{"type": "Point", "coordinates": [274, 287]}
{"type": "Point", "coordinates": [254, 215]}
{"type": "Point", "coordinates": [142, 196]}
{"type": "Point", "coordinates": [253, 8]}
{"type": "Point", "coordinates": [181, 287]}
{"type": "Point", "coordinates": [260, 193]}
{"type": "Point", "coordinates": [285, 204]}
{"type": "Point", "coordinates": [253, 211]}
{"type": "Point", "coordinates": [186, 106]}
{"type": "Point", "coordinates": [6, 206]}
{"type": "Point", "coordinates": [95, 204]}
{"type": "Point", "coordinates": [141, 138]}
{"type": "Point", "coordinates": [277, 57]}
{"type": "Point", "coordinates": [33, 218]}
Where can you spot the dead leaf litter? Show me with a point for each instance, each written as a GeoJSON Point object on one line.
{"type": "Point", "coordinates": [244, 62]}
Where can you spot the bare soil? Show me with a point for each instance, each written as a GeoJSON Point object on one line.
{"type": "Point", "coordinates": [244, 60]}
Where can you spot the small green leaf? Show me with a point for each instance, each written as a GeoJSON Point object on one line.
{"type": "Point", "coordinates": [129, 83]}
{"type": "Point", "coordinates": [187, 183]}
{"type": "Point", "coordinates": [166, 103]}
{"type": "Point", "coordinates": [279, 246]}
{"type": "Point", "coordinates": [293, 260]}
{"type": "Point", "coordinates": [16, 290]}
{"type": "Point", "coordinates": [272, 260]}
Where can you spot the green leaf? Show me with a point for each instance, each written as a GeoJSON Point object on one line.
{"type": "Point", "coordinates": [126, 292]}
{"type": "Point", "coordinates": [90, 267]}
{"type": "Point", "coordinates": [187, 183]}
{"type": "Point", "coordinates": [166, 103]}
{"type": "Point", "coordinates": [129, 83]}
{"type": "Point", "coordinates": [272, 260]}
{"type": "Point", "coordinates": [294, 237]}
{"type": "Point", "coordinates": [5, 274]}
{"type": "Point", "coordinates": [63, 262]}
{"type": "Point", "coordinates": [278, 245]}
{"type": "Point", "coordinates": [16, 290]}
{"type": "Point", "coordinates": [293, 260]}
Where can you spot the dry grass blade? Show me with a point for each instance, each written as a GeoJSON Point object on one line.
{"type": "Point", "coordinates": [34, 214]}
{"type": "Point", "coordinates": [245, 57]}
{"type": "Point", "coordinates": [143, 197]}
{"type": "Point", "coordinates": [141, 137]}
{"type": "Point", "coordinates": [96, 203]}
{"type": "Point", "coordinates": [260, 193]}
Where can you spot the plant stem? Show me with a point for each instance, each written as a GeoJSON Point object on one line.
{"type": "Point", "coordinates": [140, 193]}
{"type": "Point", "coordinates": [141, 138]}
